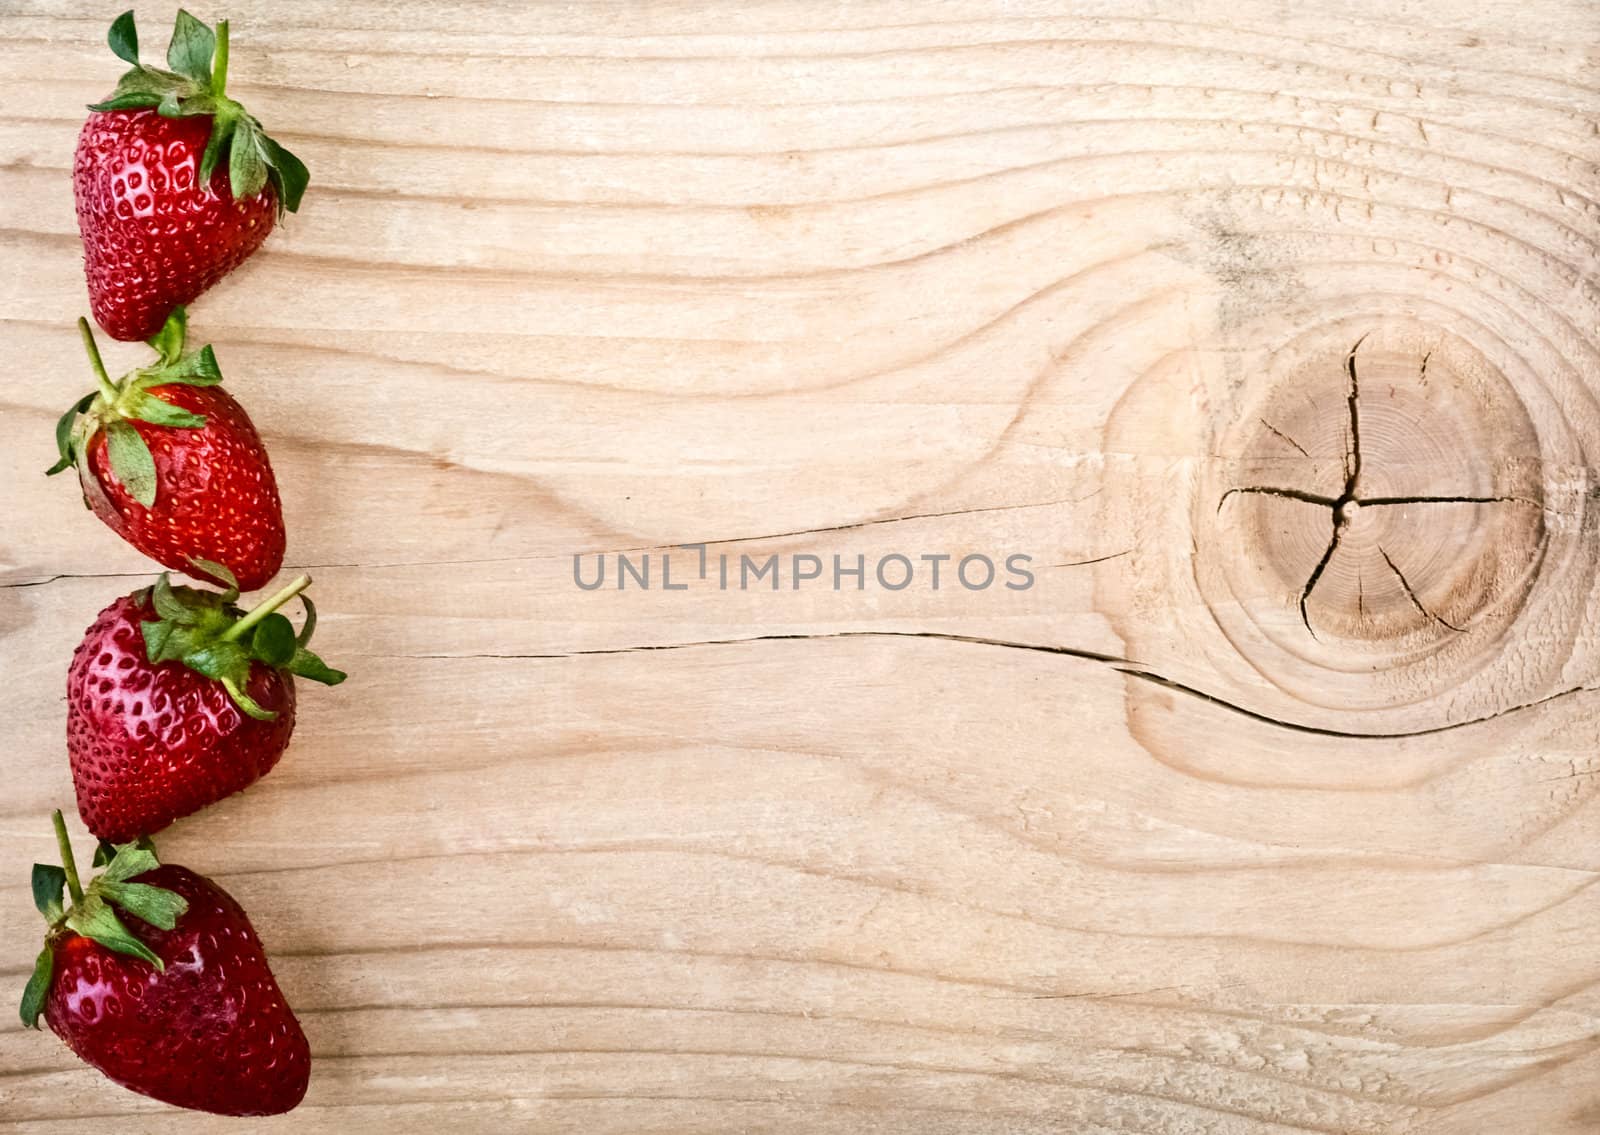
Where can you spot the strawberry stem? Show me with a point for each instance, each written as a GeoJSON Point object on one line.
{"type": "Point", "coordinates": [219, 64]}
{"type": "Point", "coordinates": [107, 390]}
{"type": "Point", "coordinates": [68, 864]}
{"type": "Point", "coordinates": [266, 607]}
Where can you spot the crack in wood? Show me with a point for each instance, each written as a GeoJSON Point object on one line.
{"type": "Point", "coordinates": [1279, 491]}
{"type": "Point", "coordinates": [1353, 735]}
{"type": "Point", "coordinates": [1353, 399]}
{"type": "Point", "coordinates": [978, 640]}
{"type": "Point", "coordinates": [1276, 432]}
{"type": "Point", "coordinates": [1094, 560]}
{"type": "Point", "coordinates": [1124, 666]}
{"type": "Point", "coordinates": [1375, 501]}
{"type": "Point", "coordinates": [665, 545]}
{"type": "Point", "coordinates": [76, 575]}
{"type": "Point", "coordinates": [1405, 586]}
{"type": "Point", "coordinates": [1322, 566]}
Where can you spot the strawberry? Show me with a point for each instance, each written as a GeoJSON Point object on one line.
{"type": "Point", "coordinates": [174, 466]}
{"type": "Point", "coordinates": [162, 216]}
{"type": "Point", "coordinates": [172, 997]}
{"type": "Point", "coordinates": [175, 700]}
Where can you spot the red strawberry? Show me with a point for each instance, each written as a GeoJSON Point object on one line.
{"type": "Point", "coordinates": [177, 1002]}
{"type": "Point", "coordinates": [176, 700]}
{"type": "Point", "coordinates": [161, 218]}
{"type": "Point", "coordinates": [174, 466]}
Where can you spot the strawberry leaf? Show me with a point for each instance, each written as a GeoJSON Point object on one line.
{"type": "Point", "coordinates": [190, 51]}
{"type": "Point", "coordinates": [167, 641]}
{"type": "Point", "coordinates": [170, 606]}
{"type": "Point", "coordinates": [93, 918]}
{"type": "Point", "coordinates": [310, 625]}
{"type": "Point", "coordinates": [64, 430]}
{"type": "Point", "coordinates": [220, 573]}
{"type": "Point", "coordinates": [247, 167]}
{"type": "Point", "coordinates": [288, 173]}
{"type": "Point", "coordinates": [168, 342]}
{"type": "Point", "coordinates": [273, 641]}
{"type": "Point", "coordinates": [158, 906]}
{"type": "Point", "coordinates": [146, 407]}
{"type": "Point", "coordinates": [194, 106]}
{"type": "Point", "coordinates": [163, 641]}
{"type": "Point", "coordinates": [124, 38]}
{"type": "Point", "coordinates": [229, 663]}
{"type": "Point", "coordinates": [132, 100]}
{"type": "Point", "coordinates": [145, 86]}
{"type": "Point", "coordinates": [152, 81]}
{"type": "Point", "coordinates": [174, 367]}
{"type": "Point", "coordinates": [245, 702]}
{"type": "Point", "coordinates": [38, 987]}
{"type": "Point", "coordinates": [220, 660]}
{"type": "Point", "coordinates": [130, 860]}
{"type": "Point", "coordinates": [132, 462]}
{"type": "Point", "coordinates": [106, 851]}
{"type": "Point", "coordinates": [157, 633]}
{"type": "Point", "coordinates": [198, 369]}
{"type": "Point", "coordinates": [49, 885]}
{"type": "Point", "coordinates": [307, 665]}
{"type": "Point", "coordinates": [221, 134]}
{"type": "Point", "coordinates": [189, 619]}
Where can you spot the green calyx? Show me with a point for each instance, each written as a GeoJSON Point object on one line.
{"type": "Point", "coordinates": [208, 634]}
{"type": "Point", "coordinates": [71, 908]}
{"type": "Point", "coordinates": [116, 405]}
{"type": "Point", "coordinates": [197, 84]}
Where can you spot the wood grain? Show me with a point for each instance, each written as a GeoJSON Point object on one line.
{"type": "Point", "coordinates": [1270, 332]}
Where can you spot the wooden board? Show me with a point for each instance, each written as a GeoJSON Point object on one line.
{"type": "Point", "coordinates": [1270, 333]}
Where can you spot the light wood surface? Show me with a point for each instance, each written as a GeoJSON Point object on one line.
{"type": "Point", "coordinates": [1260, 812]}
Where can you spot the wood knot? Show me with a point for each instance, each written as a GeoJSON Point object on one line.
{"type": "Point", "coordinates": [1377, 508]}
